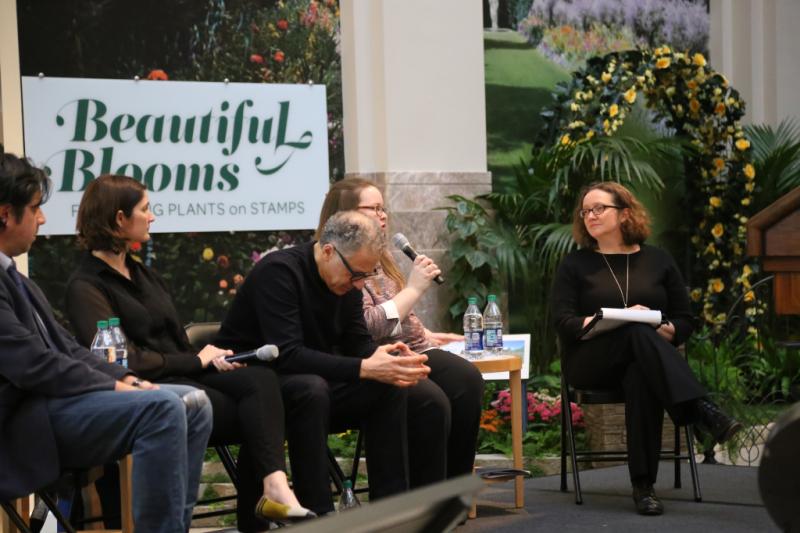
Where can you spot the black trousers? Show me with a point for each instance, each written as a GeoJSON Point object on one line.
{"type": "Point", "coordinates": [316, 407]}
{"type": "Point", "coordinates": [654, 376]}
{"type": "Point", "coordinates": [444, 414]}
{"type": "Point", "coordinates": [248, 410]}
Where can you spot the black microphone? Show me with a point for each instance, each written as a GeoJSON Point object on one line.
{"type": "Point", "coordinates": [401, 243]}
{"type": "Point", "coordinates": [268, 352]}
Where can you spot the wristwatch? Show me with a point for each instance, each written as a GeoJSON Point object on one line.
{"type": "Point", "coordinates": [136, 383]}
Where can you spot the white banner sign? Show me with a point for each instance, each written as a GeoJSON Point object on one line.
{"type": "Point", "coordinates": [214, 156]}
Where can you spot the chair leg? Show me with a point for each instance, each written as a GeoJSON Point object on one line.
{"type": "Point", "coordinates": [337, 476]}
{"type": "Point", "coordinates": [677, 461]}
{"type": "Point", "coordinates": [59, 516]}
{"type": "Point", "coordinates": [357, 458]}
{"type": "Point", "coordinates": [14, 517]}
{"type": "Point", "coordinates": [693, 465]}
{"type": "Point", "coordinates": [226, 457]}
{"type": "Point", "coordinates": [575, 475]}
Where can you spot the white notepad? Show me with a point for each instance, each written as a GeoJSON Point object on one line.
{"type": "Point", "coordinates": [608, 318]}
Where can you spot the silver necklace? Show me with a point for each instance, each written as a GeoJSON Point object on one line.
{"type": "Point", "coordinates": [627, 277]}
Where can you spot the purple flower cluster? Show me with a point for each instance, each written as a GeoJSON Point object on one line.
{"type": "Point", "coordinates": [682, 24]}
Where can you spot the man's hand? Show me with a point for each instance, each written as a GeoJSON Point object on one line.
{"type": "Point", "coordinates": [440, 339]}
{"type": "Point", "coordinates": [403, 371]}
{"type": "Point", "coordinates": [127, 380]}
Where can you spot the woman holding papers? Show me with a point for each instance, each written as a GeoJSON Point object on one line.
{"type": "Point", "coordinates": [615, 269]}
{"type": "Point", "coordinates": [115, 213]}
{"type": "Point", "coordinates": [451, 399]}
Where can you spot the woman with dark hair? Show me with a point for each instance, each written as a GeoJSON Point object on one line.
{"type": "Point", "coordinates": [614, 268]}
{"type": "Point", "coordinates": [115, 213]}
{"type": "Point", "coordinates": [454, 386]}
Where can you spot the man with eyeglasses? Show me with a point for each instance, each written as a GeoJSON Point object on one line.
{"type": "Point", "coordinates": [333, 376]}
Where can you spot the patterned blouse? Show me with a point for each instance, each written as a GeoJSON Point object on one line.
{"type": "Point", "coordinates": [382, 317]}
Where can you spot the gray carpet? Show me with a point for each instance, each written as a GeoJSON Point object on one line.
{"type": "Point", "coordinates": [731, 503]}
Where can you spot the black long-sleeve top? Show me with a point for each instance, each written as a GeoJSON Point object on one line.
{"type": "Point", "coordinates": [285, 302]}
{"type": "Point", "coordinates": [584, 284]}
{"type": "Point", "coordinates": [158, 348]}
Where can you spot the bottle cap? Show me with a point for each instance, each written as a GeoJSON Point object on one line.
{"type": "Point", "coordinates": [473, 300]}
{"type": "Point", "coordinates": [348, 484]}
{"type": "Point", "coordinates": [113, 322]}
{"type": "Point", "coordinates": [102, 324]}
{"type": "Point", "coordinates": [492, 298]}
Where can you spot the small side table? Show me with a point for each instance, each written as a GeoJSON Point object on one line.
{"type": "Point", "coordinates": [512, 365]}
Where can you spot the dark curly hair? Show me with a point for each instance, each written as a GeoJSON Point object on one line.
{"type": "Point", "coordinates": [20, 179]}
{"type": "Point", "coordinates": [635, 230]}
{"type": "Point", "coordinates": [97, 215]}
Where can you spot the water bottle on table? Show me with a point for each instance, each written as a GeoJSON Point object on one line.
{"type": "Point", "coordinates": [473, 331]}
{"type": "Point", "coordinates": [120, 341]}
{"type": "Point", "coordinates": [348, 498]}
{"type": "Point", "coordinates": [492, 328]}
{"type": "Point", "coordinates": [102, 345]}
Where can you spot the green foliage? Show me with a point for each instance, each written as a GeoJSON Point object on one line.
{"type": "Point", "coordinates": [776, 157]}
{"type": "Point", "coordinates": [219, 477]}
{"type": "Point", "coordinates": [344, 444]}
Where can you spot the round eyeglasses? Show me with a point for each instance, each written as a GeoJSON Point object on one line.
{"type": "Point", "coordinates": [379, 209]}
{"type": "Point", "coordinates": [598, 210]}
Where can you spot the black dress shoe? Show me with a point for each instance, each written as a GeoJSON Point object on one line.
{"type": "Point", "coordinates": [721, 426]}
{"type": "Point", "coordinates": [645, 498]}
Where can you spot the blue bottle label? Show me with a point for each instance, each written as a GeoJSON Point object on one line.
{"type": "Point", "coordinates": [494, 337]}
{"type": "Point", "coordinates": [474, 342]}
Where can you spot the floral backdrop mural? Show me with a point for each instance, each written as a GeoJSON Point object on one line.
{"type": "Point", "coordinates": [289, 41]}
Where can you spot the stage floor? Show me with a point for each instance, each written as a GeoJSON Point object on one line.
{"type": "Point", "coordinates": [731, 503]}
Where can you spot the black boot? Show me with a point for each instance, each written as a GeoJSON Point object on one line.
{"type": "Point", "coordinates": [645, 498]}
{"type": "Point", "coordinates": [721, 426]}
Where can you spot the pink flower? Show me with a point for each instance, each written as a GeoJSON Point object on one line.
{"type": "Point", "coordinates": [255, 28]}
{"type": "Point", "coordinates": [283, 25]}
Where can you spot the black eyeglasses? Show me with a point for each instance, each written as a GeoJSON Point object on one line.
{"type": "Point", "coordinates": [356, 275]}
{"type": "Point", "coordinates": [598, 210]}
{"type": "Point", "coordinates": [379, 209]}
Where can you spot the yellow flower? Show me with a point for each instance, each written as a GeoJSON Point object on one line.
{"type": "Point", "coordinates": [565, 139]}
{"type": "Point", "coordinates": [750, 296]}
{"type": "Point", "coordinates": [208, 254]}
{"type": "Point", "coordinates": [605, 124]}
{"type": "Point", "coordinates": [710, 249]}
{"type": "Point", "coordinates": [719, 163]}
{"type": "Point", "coordinates": [715, 201]}
{"type": "Point", "coordinates": [574, 106]}
{"type": "Point", "coordinates": [694, 105]}
{"type": "Point", "coordinates": [720, 109]}
{"type": "Point", "coordinates": [696, 295]}
{"type": "Point", "coordinates": [747, 270]}
{"type": "Point", "coordinates": [630, 95]}
{"type": "Point", "coordinates": [662, 63]}
{"type": "Point", "coordinates": [666, 49]}
{"type": "Point", "coordinates": [718, 285]}
{"type": "Point", "coordinates": [717, 91]}
{"type": "Point", "coordinates": [699, 60]}
{"type": "Point", "coordinates": [606, 77]}
{"type": "Point", "coordinates": [702, 224]}
{"type": "Point", "coordinates": [749, 171]}
{"type": "Point", "coordinates": [750, 187]}
{"type": "Point", "coordinates": [612, 112]}
{"type": "Point", "coordinates": [670, 91]}
{"type": "Point", "coordinates": [746, 201]}
{"type": "Point", "coordinates": [692, 84]}
{"type": "Point", "coordinates": [590, 134]}
{"type": "Point", "coordinates": [578, 95]}
{"type": "Point", "coordinates": [724, 79]}
{"type": "Point", "coordinates": [717, 230]}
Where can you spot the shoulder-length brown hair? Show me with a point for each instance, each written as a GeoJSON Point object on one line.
{"type": "Point", "coordinates": [634, 230]}
{"type": "Point", "coordinates": [97, 215]}
{"type": "Point", "coordinates": [345, 195]}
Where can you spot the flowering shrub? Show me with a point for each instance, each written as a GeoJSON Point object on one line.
{"type": "Point", "coordinates": [682, 24]}
{"type": "Point", "coordinates": [540, 406]}
{"type": "Point", "coordinates": [697, 104]}
{"type": "Point", "coordinates": [571, 47]}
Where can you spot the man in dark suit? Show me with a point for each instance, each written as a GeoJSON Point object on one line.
{"type": "Point", "coordinates": [63, 407]}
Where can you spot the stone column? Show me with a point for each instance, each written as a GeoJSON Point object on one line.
{"type": "Point", "coordinates": [415, 117]}
{"type": "Point", "coordinates": [11, 93]}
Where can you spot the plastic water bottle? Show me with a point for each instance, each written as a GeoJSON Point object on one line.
{"type": "Point", "coordinates": [473, 331]}
{"type": "Point", "coordinates": [348, 498]}
{"type": "Point", "coordinates": [120, 341]}
{"type": "Point", "coordinates": [492, 328]}
{"type": "Point", "coordinates": [102, 345]}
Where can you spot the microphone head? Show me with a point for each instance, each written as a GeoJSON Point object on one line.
{"type": "Point", "coordinates": [195, 399]}
{"type": "Point", "coordinates": [268, 352]}
{"type": "Point", "coordinates": [399, 241]}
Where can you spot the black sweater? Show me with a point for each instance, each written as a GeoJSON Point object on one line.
{"type": "Point", "coordinates": [158, 348]}
{"type": "Point", "coordinates": [583, 284]}
{"type": "Point", "coordinates": [285, 302]}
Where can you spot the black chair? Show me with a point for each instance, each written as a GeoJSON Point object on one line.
{"type": "Point", "coordinates": [602, 397]}
{"type": "Point", "coordinates": [200, 335]}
